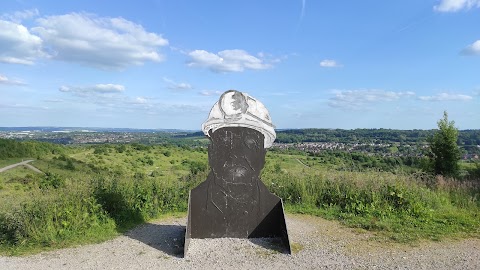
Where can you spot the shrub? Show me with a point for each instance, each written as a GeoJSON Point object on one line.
{"type": "Point", "coordinates": [51, 180]}
{"type": "Point", "coordinates": [12, 229]}
{"type": "Point", "coordinates": [130, 202]}
{"type": "Point", "coordinates": [400, 204]}
{"type": "Point", "coordinates": [70, 166]}
{"type": "Point", "coordinates": [48, 220]}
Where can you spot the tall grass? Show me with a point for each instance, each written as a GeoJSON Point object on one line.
{"type": "Point", "coordinates": [129, 202]}
{"type": "Point", "coordinates": [404, 207]}
{"type": "Point", "coordinates": [87, 203]}
{"type": "Point", "coordinates": [89, 211]}
{"type": "Point", "coordinates": [53, 217]}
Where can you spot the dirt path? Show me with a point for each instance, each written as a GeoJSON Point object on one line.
{"type": "Point", "coordinates": [299, 161]}
{"type": "Point", "coordinates": [319, 244]}
{"type": "Point", "coordinates": [24, 163]}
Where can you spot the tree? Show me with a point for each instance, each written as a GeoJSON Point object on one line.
{"type": "Point", "coordinates": [444, 150]}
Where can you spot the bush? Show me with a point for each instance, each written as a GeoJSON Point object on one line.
{"type": "Point", "coordinates": [195, 166]}
{"type": "Point", "coordinates": [12, 229]}
{"type": "Point", "coordinates": [130, 202]}
{"type": "Point", "coordinates": [121, 148]}
{"type": "Point", "coordinates": [51, 180]}
{"type": "Point", "coordinates": [70, 166]}
{"type": "Point", "coordinates": [49, 220]}
{"type": "Point", "coordinates": [394, 203]}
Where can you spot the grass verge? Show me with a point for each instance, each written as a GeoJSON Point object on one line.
{"type": "Point", "coordinates": [397, 207]}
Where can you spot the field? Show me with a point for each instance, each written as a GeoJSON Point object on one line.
{"type": "Point", "coordinates": [92, 193]}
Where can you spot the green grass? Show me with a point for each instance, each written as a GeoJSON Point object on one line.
{"type": "Point", "coordinates": [83, 212]}
{"type": "Point", "coordinates": [81, 201]}
{"type": "Point", "coordinates": [296, 247]}
{"type": "Point", "coordinates": [92, 194]}
{"type": "Point", "coordinates": [165, 161]}
{"type": "Point", "coordinates": [10, 161]}
{"type": "Point", "coordinates": [15, 185]}
{"type": "Point", "coordinates": [54, 220]}
{"type": "Point", "coordinates": [397, 206]}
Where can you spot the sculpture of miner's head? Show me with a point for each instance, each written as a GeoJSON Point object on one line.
{"type": "Point", "coordinates": [237, 109]}
{"type": "Point", "coordinates": [239, 128]}
{"type": "Point", "coordinates": [236, 147]}
{"type": "Point", "coordinates": [232, 201]}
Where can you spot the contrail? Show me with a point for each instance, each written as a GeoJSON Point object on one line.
{"type": "Point", "coordinates": [303, 10]}
{"type": "Point", "coordinates": [302, 14]}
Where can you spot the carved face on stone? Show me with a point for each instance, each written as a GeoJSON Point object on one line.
{"type": "Point", "coordinates": [236, 154]}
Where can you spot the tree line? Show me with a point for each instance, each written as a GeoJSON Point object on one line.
{"type": "Point", "coordinates": [465, 137]}
{"type": "Point", "coordinates": [16, 149]}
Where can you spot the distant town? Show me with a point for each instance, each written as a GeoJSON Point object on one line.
{"type": "Point", "coordinates": [387, 143]}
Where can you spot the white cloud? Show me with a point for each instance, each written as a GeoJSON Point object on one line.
{"type": "Point", "coordinates": [183, 86]}
{"type": "Point", "coordinates": [187, 108]}
{"type": "Point", "coordinates": [85, 91]}
{"type": "Point", "coordinates": [6, 80]}
{"type": "Point", "coordinates": [108, 88]}
{"type": "Point", "coordinates": [272, 59]}
{"type": "Point", "coordinates": [446, 97]}
{"type": "Point", "coordinates": [54, 100]}
{"type": "Point", "coordinates": [177, 86]}
{"type": "Point", "coordinates": [210, 93]}
{"type": "Point", "coordinates": [112, 99]}
{"type": "Point", "coordinates": [19, 106]}
{"type": "Point", "coordinates": [18, 45]}
{"type": "Point", "coordinates": [99, 41]}
{"type": "Point", "coordinates": [362, 99]}
{"type": "Point", "coordinates": [473, 49]}
{"type": "Point", "coordinates": [456, 5]}
{"type": "Point", "coordinates": [329, 63]}
{"type": "Point", "coordinates": [19, 16]}
{"type": "Point", "coordinates": [139, 100]}
{"type": "Point", "coordinates": [226, 61]}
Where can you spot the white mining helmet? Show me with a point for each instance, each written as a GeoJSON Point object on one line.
{"type": "Point", "coordinates": [237, 109]}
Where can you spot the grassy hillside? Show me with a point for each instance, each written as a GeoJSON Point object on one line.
{"type": "Point", "coordinates": [15, 149]}
{"type": "Point", "coordinates": [92, 193]}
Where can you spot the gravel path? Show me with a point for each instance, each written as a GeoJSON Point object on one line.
{"type": "Point", "coordinates": [319, 244]}
{"type": "Point", "coordinates": [24, 163]}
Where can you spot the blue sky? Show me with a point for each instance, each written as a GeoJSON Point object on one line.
{"type": "Point", "coordinates": [314, 64]}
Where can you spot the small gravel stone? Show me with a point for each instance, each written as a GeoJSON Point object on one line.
{"type": "Point", "coordinates": [317, 244]}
